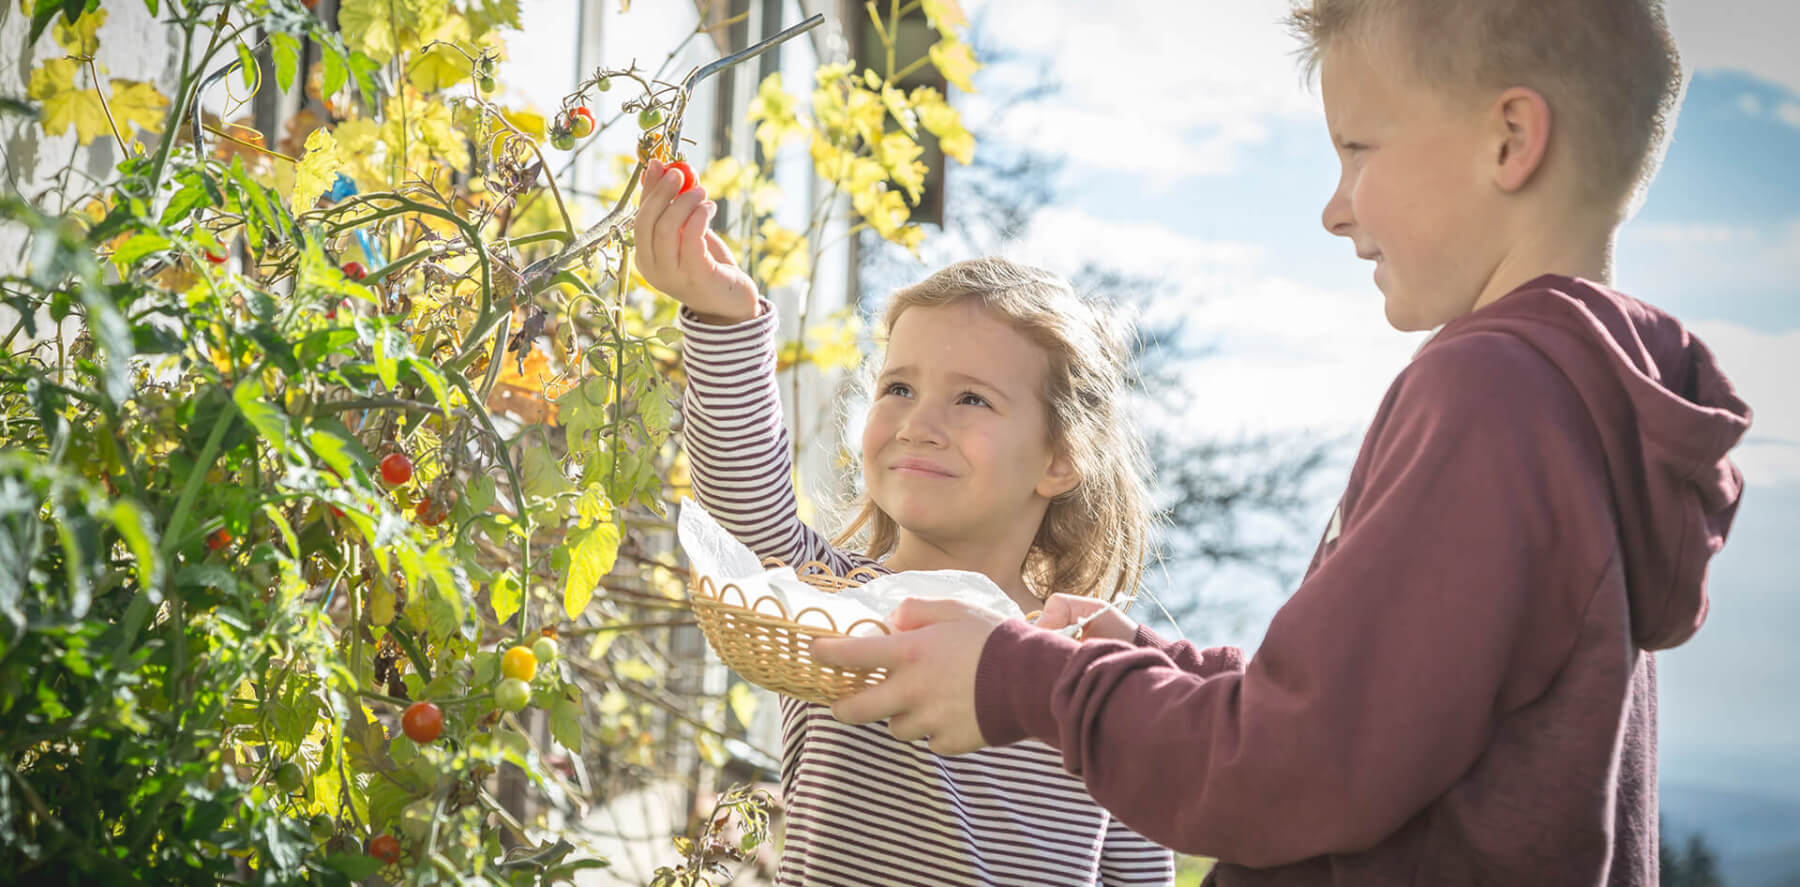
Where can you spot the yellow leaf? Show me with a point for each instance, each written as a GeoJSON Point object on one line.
{"type": "Point", "coordinates": [80, 38]}
{"type": "Point", "coordinates": [382, 28]}
{"type": "Point", "coordinates": [784, 256]}
{"type": "Point", "coordinates": [440, 68]}
{"type": "Point", "coordinates": [64, 104]}
{"type": "Point", "coordinates": [530, 123]}
{"type": "Point", "coordinates": [726, 178]}
{"type": "Point", "coordinates": [316, 171]}
{"type": "Point", "coordinates": [899, 157]}
{"type": "Point", "coordinates": [592, 553]}
{"type": "Point", "coordinates": [833, 344]}
{"type": "Point", "coordinates": [444, 65]}
{"type": "Point", "coordinates": [774, 112]}
{"type": "Point", "coordinates": [945, 122]}
{"type": "Point", "coordinates": [895, 102]}
{"type": "Point", "coordinates": [945, 14]}
{"type": "Point", "coordinates": [956, 61]}
{"type": "Point", "coordinates": [138, 103]}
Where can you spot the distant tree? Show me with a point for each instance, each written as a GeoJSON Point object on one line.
{"type": "Point", "coordinates": [1696, 866]}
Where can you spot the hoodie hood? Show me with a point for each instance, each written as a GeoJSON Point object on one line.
{"type": "Point", "coordinates": [1666, 416]}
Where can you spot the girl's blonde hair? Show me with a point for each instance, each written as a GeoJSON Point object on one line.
{"type": "Point", "coordinates": [1095, 537]}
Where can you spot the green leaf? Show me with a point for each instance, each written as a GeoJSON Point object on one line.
{"type": "Point", "coordinates": [363, 69]}
{"type": "Point", "coordinates": [139, 246]}
{"type": "Point", "coordinates": [247, 65]}
{"type": "Point", "coordinates": [434, 380]}
{"type": "Point", "coordinates": [268, 421]}
{"type": "Point", "coordinates": [191, 197]}
{"type": "Point", "coordinates": [355, 866]}
{"type": "Point", "coordinates": [565, 719]}
{"type": "Point", "coordinates": [504, 597]}
{"type": "Point", "coordinates": [335, 72]}
{"type": "Point", "coordinates": [135, 528]}
{"type": "Point", "coordinates": [592, 553]}
{"type": "Point", "coordinates": [480, 494]}
{"type": "Point", "coordinates": [286, 50]}
{"type": "Point", "coordinates": [385, 365]}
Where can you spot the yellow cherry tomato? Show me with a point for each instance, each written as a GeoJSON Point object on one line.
{"type": "Point", "coordinates": [518, 662]}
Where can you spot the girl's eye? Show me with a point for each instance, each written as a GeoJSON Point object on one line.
{"type": "Point", "coordinates": [972, 399]}
{"type": "Point", "coordinates": [898, 388]}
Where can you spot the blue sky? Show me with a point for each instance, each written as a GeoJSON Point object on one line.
{"type": "Point", "coordinates": [1196, 153]}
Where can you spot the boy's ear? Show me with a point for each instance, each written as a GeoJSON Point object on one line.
{"type": "Point", "coordinates": [1059, 478]}
{"type": "Point", "coordinates": [1521, 127]}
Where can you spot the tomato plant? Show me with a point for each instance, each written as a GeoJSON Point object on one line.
{"type": "Point", "coordinates": [223, 617]}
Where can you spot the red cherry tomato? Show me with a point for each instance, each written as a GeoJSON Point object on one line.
{"type": "Point", "coordinates": [219, 539]}
{"type": "Point", "coordinates": [688, 179]}
{"type": "Point", "coordinates": [355, 271]}
{"type": "Point", "coordinates": [428, 515]}
{"type": "Point", "coordinates": [396, 469]}
{"type": "Point", "coordinates": [385, 848]}
{"type": "Point", "coordinates": [422, 722]}
{"type": "Point", "coordinates": [216, 258]}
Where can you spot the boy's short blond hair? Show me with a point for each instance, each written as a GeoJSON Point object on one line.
{"type": "Point", "coordinates": [1608, 68]}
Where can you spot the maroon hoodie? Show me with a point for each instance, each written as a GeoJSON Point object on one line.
{"type": "Point", "coordinates": [1460, 692]}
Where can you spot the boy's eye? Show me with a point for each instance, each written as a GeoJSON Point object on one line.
{"type": "Point", "coordinates": [899, 388]}
{"type": "Point", "coordinates": [972, 399]}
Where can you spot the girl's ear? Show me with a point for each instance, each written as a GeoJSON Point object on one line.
{"type": "Point", "coordinates": [1059, 477]}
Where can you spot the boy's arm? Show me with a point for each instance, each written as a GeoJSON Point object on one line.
{"type": "Point", "coordinates": [737, 444]}
{"type": "Point", "coordinates": [1197, 661]}
{"type": "Point", "coordinates": [1379, 683]}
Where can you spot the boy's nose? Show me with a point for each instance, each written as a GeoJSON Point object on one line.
{"type": "Point", "coordinates": [1337, 218]}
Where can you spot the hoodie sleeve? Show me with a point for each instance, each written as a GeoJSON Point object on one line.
{"type": "Point", "coordinates": [1380, 681]}
{"type": "Point", "coordinates": [1200, 662]}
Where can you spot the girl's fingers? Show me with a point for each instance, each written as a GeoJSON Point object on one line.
{"type": "Point", "coordinates": [693, 233]}
{"type": "Point", "coordinates": [667, 232]}
{"type": "Point", "coordinates": [716, 248]}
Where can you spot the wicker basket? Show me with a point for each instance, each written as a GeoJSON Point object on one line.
{"type": "Point", "coordinates": [771, 648]}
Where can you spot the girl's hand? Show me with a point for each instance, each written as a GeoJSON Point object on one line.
{"type": "Point", "coordinates": [678, 253]}
{"type": "Point", "coordinates": [1063, 610]}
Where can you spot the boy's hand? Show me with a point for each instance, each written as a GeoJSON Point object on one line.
{"type": "Point", "coordinates": [930, 688]}
{"type": "Point", "coordinates": [1063, 610]}
{"type": "Point", "coordinates": [680, 255]}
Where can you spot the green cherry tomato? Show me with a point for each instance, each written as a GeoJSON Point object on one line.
{"type": "Point", "coordinates": [512, 695]}
{"type": "Point", "coordinates": [544, 649]}
{"type": "Point", "coordinates": [289, 778]}
{"type": "Point", "coordinates": [649, 117]}
{"type": "Point", "coordinates": [323, 826]}
{"type": "Point", "coordinates": [562, 140]}
{"type": "Point", "coordinates": [415, 820]}
{"type": "Point", "coordinates": [603, 84]}
{"type": "Point", "coordinates": [486, 84]}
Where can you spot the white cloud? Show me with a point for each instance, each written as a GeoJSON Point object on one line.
{"type": "Point", "coordinates": [1745, 35]}
{"type": "Point", "coordinates": [1789, 113]}
{"type": "Point", "coordinates": [1763, 367]}
{"type": "Point", "coordinates": [1143, 78]}
{"type": "Point", "coordinates": [1750, 105]}
{"type": "Point", "coordinates": [1288, 356]}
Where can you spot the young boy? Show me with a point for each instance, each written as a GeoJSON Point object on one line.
{"type": "Point", "coordinates": [1461, 691]}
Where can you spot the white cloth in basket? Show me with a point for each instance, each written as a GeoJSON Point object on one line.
{"type": "Point", "coordinates": [715, 553]}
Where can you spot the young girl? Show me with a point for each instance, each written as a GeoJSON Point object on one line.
{"type": "Point", "coordinates": [993, 443]}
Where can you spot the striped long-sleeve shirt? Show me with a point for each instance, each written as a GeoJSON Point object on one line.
{"type": "Point", "coordinates": [863, 807]}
